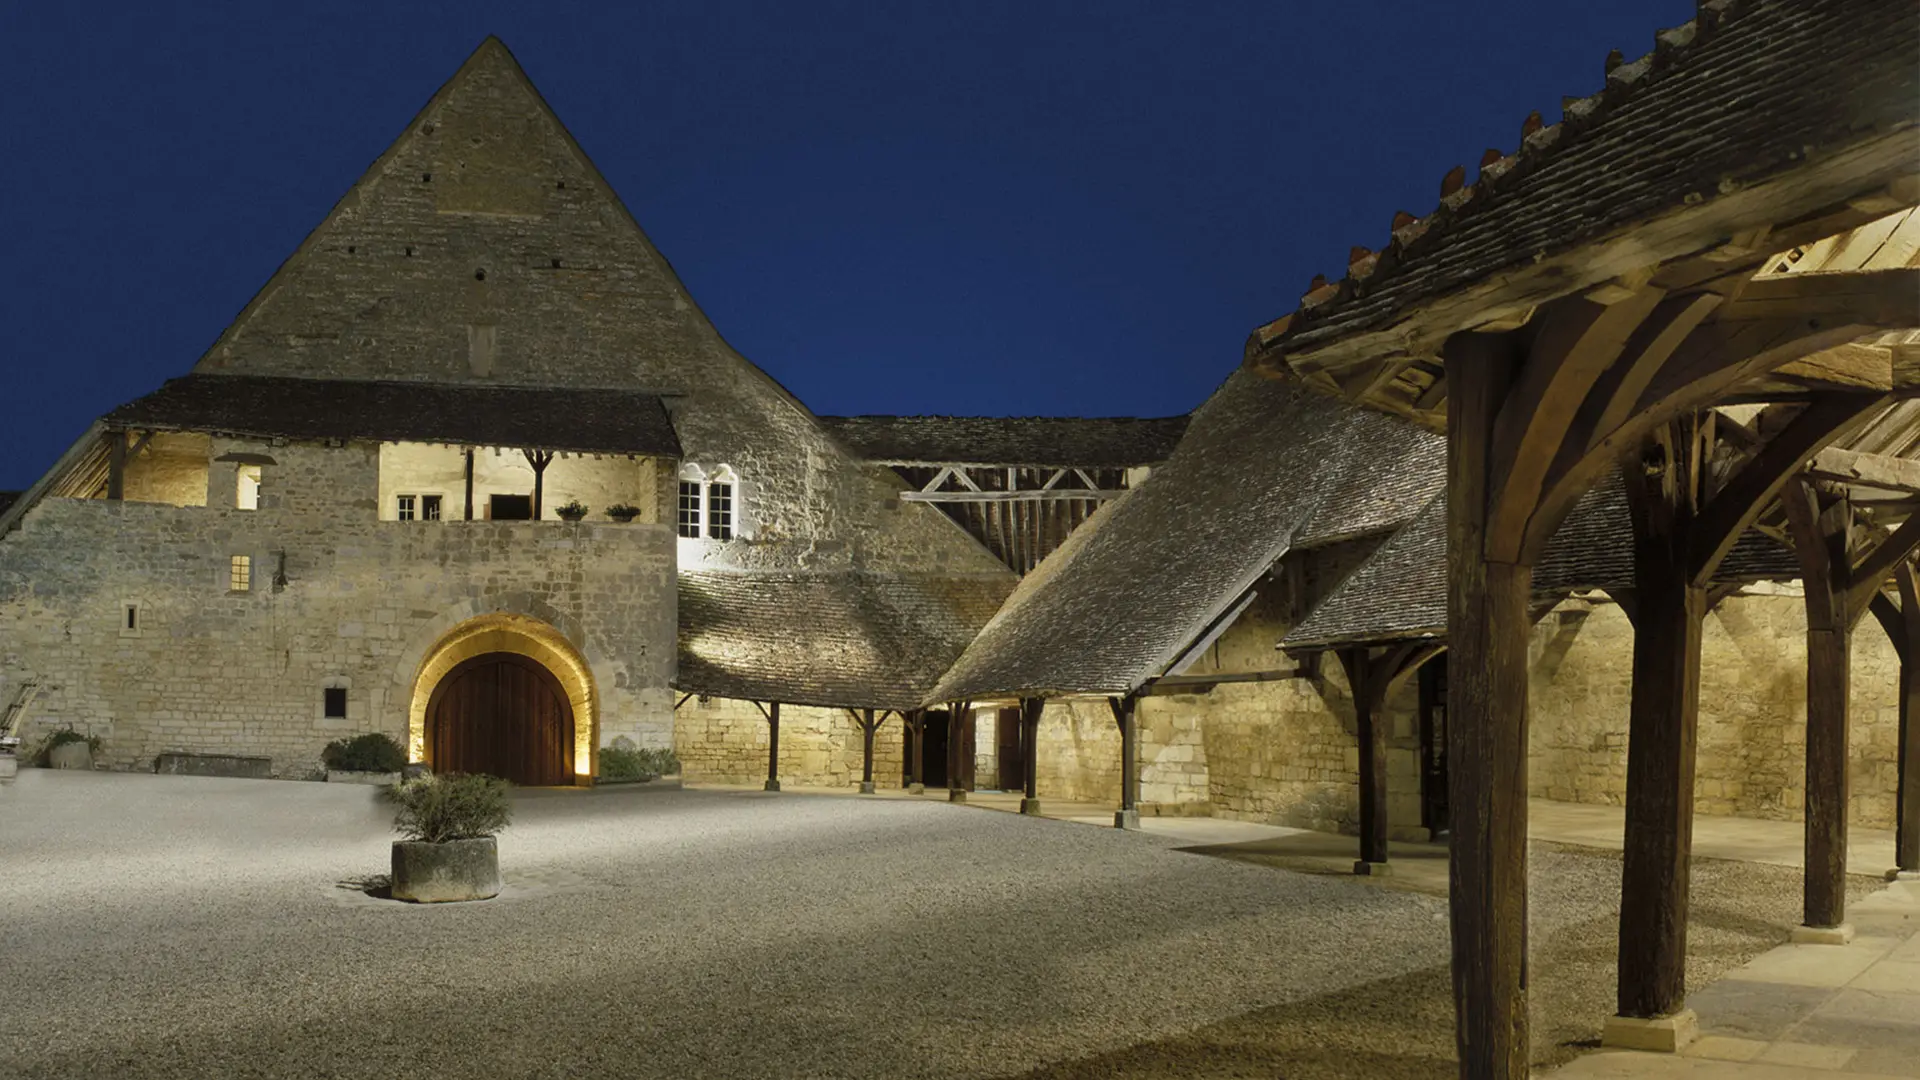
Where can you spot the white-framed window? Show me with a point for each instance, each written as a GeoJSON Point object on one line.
{"type": "Point", "coordinates": [240, 573]}
{"type": "Point", "coordinates": [693, 484]}
{"type": "Point", "coordinates": [709, 504]}
{"type": "Point", "coordinates": [246, 487]}
{"type": "Point", "coordinates": [417, 507]}
{"type": "Point", "coordinates": [720, 504]}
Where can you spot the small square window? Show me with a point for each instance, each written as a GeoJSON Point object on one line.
{"type": "Point", "coordinates": [334, 702]}
{"type": "Point", "coordinates": [429, 508]}
{"type": "Point", "coordinates": [689, 508]}
{"type": "Point", "coordinates": [404, 507]}
{"type": "Point", "coordinates": [240, 573]}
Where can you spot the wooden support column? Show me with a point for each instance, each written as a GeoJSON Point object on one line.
{"type": "Point", "coordinates": [1030, 709]}
{"type": "Point", "coordinates": [773, 746]}
{"type": "Point", "coordinates": [116, 464]}
{"type": "Point", "coordinates": [1126, 714]}
{"type": "Point", "coordinates": [1363, 678]}
{"type": "Point", "coordinates": [539, 459]}
{"type": "Point", "coordinates": [915, 723]}
{"type": "Point", "coordinates": [869, 721]}
{"type": "Point", "coordinates": [1906, 844]}
{"type": "Point", "coordinates": [1487, 628]}
{"type": "Point", "coordinates": [959, 749]}
{"type": "Point", "coordinates": [469, 502]}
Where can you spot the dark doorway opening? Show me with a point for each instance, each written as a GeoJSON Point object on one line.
{"type": "Point", "coordinates": [933, 762]}
{"type": "Point", "coordinates": [504, 715]}
{"type": "Point", "coordinates": [1434, 812]}
{"type": "Point", "coordinates": [1010, 749]}
{"type": "Point", "coordinates": [510, 507]}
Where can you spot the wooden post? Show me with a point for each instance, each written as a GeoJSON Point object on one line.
{"type": "Point", "coordinates": [1364, 678]}
{"type": "Point", "coordinates": [773, 746]}
{"type": "Point", "coordinates": [957, 715]}
{"type": "Point", "coordinates": [1487, 628]}
{"type": "Point", "coordinates": [1906, 842]}
{"type": "Point", "coordinates": [116, 464]}
{"type": "Point", "coordinates": [1668, 608]}
{"type": "Point", "coordinates": [1030, 709]}
{"type": "Point", "coordinates": [1820, 533]}
{"type": "Point", "coordinates": [539, 459]}
{"type": "Point", "coordinates": [867, 727]}
{"type": "Point", "coordinates": [1126, 714]}
{"type": "Point", "coordinates": [469, 503]}
{"type": "Point", "coordinates": [916, 726]}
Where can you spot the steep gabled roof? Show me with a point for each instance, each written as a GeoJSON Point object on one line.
{"type": "Point", "coordinates": [1400, 592]}
{"type": "Point", "coordinates": [1265, 466]}
{"type": "Point", "coordinates": [838, 640]}
{"type": "Point", "coordinates": [533, 418]}
{"type": "Point", "coordinates": [1056, 441]}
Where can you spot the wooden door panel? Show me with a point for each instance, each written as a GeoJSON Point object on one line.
{"type": "Point", "coordinates": [504, 715]}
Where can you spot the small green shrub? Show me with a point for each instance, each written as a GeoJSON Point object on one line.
{"type": "Point", "coordinates": [623, 512]}
{"type": "Point", "coordinates": [572, 510]}
{"type": "Point", "coordinates": [437, 809]}
{"type": "Point", "coordinates": [60, 738]}
{"type": "Point", "coordinates": [624, 762]}
{"type": "Point", "coordinates": [372, 752]}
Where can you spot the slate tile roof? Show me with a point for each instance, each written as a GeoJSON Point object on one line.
{"type": "Point", "coordinates": [1103, 442]}
{"type": "Point", "coordinates": [1400, 592]}
{"type": "Point", "coordinates": [1746, 90]}
{"type": "Point", "coordinates": [1265, 465]}
{"type": "Point", "coordinates": [533, 418]}
{"type": "Point", "coordinates": [834, 639]}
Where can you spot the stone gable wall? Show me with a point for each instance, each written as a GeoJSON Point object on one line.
{"type": "Point", "coordinates": [364, 601]}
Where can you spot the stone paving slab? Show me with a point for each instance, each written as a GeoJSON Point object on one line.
{"type": "Point", "coordinates": [1803, 1010]}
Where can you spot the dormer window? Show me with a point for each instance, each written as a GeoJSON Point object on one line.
{"type": "Point", "coordinates": [720, 505]}
{"type": "Point", "coordinates": [709, 503]}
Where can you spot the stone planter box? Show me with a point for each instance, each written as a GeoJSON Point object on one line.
{"type": "Point", "coordinates": [379, 779]}
{"type": "Point", "coordinates": [670, 781]}
{"type": "Point", "coordinates": [73, 755]}
{"type": "Point", "coordinates": [441, 873]}
{"type": "Point", "coordinates": [235, 765]}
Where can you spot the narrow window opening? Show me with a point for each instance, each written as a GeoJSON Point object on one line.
{"type": "Point", "coordinates": [690, 508]}
{"type": "Point", "coordinates": [334, 702]}
{"type": "Point", "coordinates": [129, 619]}
{"type": "Point", "coordinates": [240, 574]}
{"type": "Point", "coordinates": [720, 511]}
{"type": "Point", "coordinates": [246, 491]}
{"type": "Point", "coordinates": [429, 508]}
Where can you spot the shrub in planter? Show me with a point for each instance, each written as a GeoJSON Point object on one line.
{"type": "Point", "coordinates": [372, 752]}
{"type": "Point", "coordinates": [572, 511]}
{"type": "Point", "coordinates": [448, 823]}
{"type": "Point", "coordinates": [623, 762]}
{"type": "Point", "coordinates": [623, 513]}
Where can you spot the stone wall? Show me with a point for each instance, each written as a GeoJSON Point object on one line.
{"type": "Point", "coordinates": [724, 741]}
{"type": "Point", "coordinates": [362, 604]}
{"type": "Point", "coordinates": [1753, 710]}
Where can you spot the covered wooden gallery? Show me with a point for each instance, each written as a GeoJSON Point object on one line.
{"type": "Point", "coordinates": [1721, 224]}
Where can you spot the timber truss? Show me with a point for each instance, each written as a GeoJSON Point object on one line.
{"type": "Point", "coordinates": [1021, 513]}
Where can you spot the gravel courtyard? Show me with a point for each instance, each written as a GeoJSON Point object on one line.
{"type": "Point", "coordinates": [179, 927]}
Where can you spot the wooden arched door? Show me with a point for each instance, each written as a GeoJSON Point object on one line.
{"type": "Point", "coordinates": [504, 715]}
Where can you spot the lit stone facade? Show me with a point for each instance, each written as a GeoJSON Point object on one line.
{"type": "Point", "coordinates": [724, 741]}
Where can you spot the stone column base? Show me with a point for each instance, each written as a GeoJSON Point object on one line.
{"type": "Point", "coordinates": [1030, 807]}
{"type": "Point", "coordinates": [1372, 869]}
{"type": "Point", "coordinates": [866, 787]}
{"type": "Point", "coordinates": [1823, 935]}
{"type": "Point", "coordinates": [1660, 1034]}
{"type": "Point", "coordinates": [773, 785]}
{"type": "Point", "coordinates": [1126, 819]}
{"type": "Point", "coordinates": [958, 795]}
{"type": "Point", "coordinates": [916, 789]}
{"type": "Point", "coordinates": [1895, 874]}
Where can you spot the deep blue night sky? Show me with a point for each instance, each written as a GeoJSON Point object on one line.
{"type": "Point", "coordinates": [1019, 208]}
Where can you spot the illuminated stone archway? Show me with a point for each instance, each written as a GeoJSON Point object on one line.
{"type": "Point", "coordinates": [522, 635]}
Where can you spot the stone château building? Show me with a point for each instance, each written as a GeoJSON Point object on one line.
{"type": "Point", "coordinates": [347, 517]}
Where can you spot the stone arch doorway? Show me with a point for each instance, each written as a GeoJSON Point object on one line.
{"type": "Point", "coordinates": [505, 715]}
{"type": "Point", "coordinates": [505, 676]}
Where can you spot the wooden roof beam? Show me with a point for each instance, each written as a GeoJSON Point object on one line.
{"type": "Point", "coordinates": [1869, 470]}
